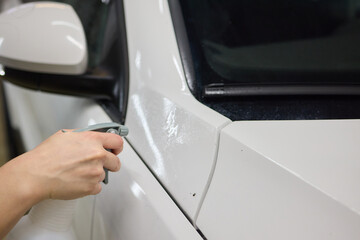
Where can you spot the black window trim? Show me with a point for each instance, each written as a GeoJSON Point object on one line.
{"type": "Point", "coordinates": [259, 102]}
{"type": "Point", "coordinates": [183, 44]}
{"type": "Point", "coordinates": [245, 90]}
{"type": "Point", "coordinates": [117, 110]}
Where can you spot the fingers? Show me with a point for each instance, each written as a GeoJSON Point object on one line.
{"type": "Point", "coordinates": [74, 162]}
{"type": "Point", "coordinates": [102, 177]}
{"type": "Point", "coordinates": [112, 162]}
{"type": "Point", "coordinates": [96, 189]}
{"type": "Point", "coordinates": [117, 151]}
{"type": "Point", "coordinates": [108, 140]}
{"type": "Point", "coordinates": [112, 141]}
{"type": "Point", "coordinates": [115, 143]}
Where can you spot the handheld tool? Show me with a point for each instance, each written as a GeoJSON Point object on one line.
{"type": "Point", "coordinates": [110, 128]}
{"type": "Point", "coordinates": [52, 219]}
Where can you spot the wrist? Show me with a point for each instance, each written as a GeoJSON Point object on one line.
{"type": "Point", "coordinates": [23, 185]}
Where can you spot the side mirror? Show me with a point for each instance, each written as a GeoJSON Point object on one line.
{"type": "Point", "coordinates": [43, 37]}
{"type": "Point", "coordinates": [43, 47]}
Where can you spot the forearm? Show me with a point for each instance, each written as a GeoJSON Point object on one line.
{"type": "Point", "coordinates": [16, 196]}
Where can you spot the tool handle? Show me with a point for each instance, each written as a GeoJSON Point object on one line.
{"type": "Point", "coordinates": [109, 128]}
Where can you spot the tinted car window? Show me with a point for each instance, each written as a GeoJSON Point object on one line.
{"type": "Point", "coordinates": [252, 59]}
{"type": "Point", "coordinates": [242, 41]}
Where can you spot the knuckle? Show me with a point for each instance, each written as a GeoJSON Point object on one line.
{"type": "Point", "coordinates": [97, 172]}
{"type": "Point", "coordinates": [91, 135]}
{"type": "Point", "coordinates": [97, 189]}
{"type": "Point", "coordinates": [88, 189]}
{"type": "Point", "coordinates": [117, 165]}
{"type": "Point", "coordinates": [102, 177]}
{"type": "Point", "coordinates": [98, 154]}
{"type": "Point", "coordinates": [92, 189]}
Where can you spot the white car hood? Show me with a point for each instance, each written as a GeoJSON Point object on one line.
{"type": "Point", "coordinates": [323, 153]}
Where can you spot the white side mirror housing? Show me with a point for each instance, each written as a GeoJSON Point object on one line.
{"type": "Point", "coordinates": [45, 37]}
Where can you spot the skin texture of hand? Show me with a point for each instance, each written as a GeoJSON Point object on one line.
{"type": "Point", "coordinates": [65, 166]}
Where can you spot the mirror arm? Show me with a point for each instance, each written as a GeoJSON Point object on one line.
{"type": "Point", "coordinates": [97, 84]}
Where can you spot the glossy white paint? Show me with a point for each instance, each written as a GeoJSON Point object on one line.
{"type": "Point", "coordinates": [83, 217]}
{"type": "Point", "coordinates": [134, 206]}
{"type": "Point", "coordinates": [139, 202]}
{"type": "Point", "coordinates": [285, 179]}
{"type": "Point", "coordinates": [38, 115]}
{"type": "Point", "coordinates": [43, 37]}
{"type": "Point", "coordinates": [22, 116]}
{"type": "Point", "coordinates": [46, 113]}
{"type": "Point", "coordinates": [273, 180]}
{"type": "Point", "coordinates": [175, 134]}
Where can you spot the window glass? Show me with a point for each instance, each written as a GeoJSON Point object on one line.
{"type": "Point", "coordinates": [275, 59]}
{"type": "Point", "coordinates": [273, 41]}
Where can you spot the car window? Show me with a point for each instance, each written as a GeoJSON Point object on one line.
{"type": "Point", "coordinates": [243, 49]}
{"type": "Point", "coordinates": [245, 41]}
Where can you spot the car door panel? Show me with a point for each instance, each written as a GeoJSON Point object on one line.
{"type": "Point", "coordinates": [47, 113]}
{"type": "Point", "coordinates": [285, 179]}
{"type": "Point", "coordinates": [42, 114]}
{"type": "Point", "coordinates": [38, 115]}
{"type": "Point", "coordinates": [175, 135]}
{"type": "Point", "coordinates": [135, 206]}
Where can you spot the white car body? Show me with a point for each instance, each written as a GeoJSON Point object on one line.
{"type": "Point", "coordinates": [188, 172]}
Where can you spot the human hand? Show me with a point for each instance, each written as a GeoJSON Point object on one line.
{"type": "Point", "coordinates": [68, 165]}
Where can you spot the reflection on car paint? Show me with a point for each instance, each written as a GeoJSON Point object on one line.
{"type": "Point", "coordinates": [138, 60]}
{"type": "Point", "coordinates": [161, 6]}
{"type": "Point", "coordinates": [137, 190]}
{"type": "Point", "coordinates": [75, 42]}
{"type": "Point", "coordinates": [64, 23]}
{"type": "Point", "coordinates": [181, 75]}
{"type": "Point", "coordinates": [159, 165]}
